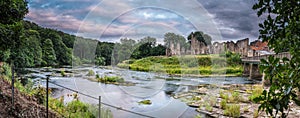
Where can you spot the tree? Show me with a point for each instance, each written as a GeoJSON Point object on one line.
{"type": "Point", "coordinates": [104, 49]}
{"type": "Point", "coordinates": [62, 52]}
{"type": "Point", "coordinates": [123, 50]}
{"type": "Point", "coordinates": [49, 56]}
{"type": "Point", "coordinates": [144, 48]}
{"type": "Point", "coordinates": [12, 12]}
{"type": "Point", "coordinates": [281, 30]}
{"type": "Point", "coordinates": [201, 37]}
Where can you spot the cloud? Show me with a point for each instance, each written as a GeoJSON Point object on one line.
{"type": "Point", "coordinates": [236, 19]}
{"type": "Point", "coordinates": [133, 18]}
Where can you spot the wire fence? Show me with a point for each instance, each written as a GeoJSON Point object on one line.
{"type": "Point", "coordinates": [106, 104]}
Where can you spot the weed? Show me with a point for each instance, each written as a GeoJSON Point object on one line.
{"type": "Point", "coordinates": [232, 110]}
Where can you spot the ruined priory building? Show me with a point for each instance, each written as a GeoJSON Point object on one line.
{"type": "Point", "coordinates": [241, 47]}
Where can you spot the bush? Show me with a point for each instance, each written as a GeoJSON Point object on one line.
{"type": "Point", "coordinates": [91, 73]}
{"type": "Point", "coordinates": [62, 73]}
{"type": "Point", "coordinates": [232, 110]}
{"type": "Point", "coordinates": [107, 79]}
{"type": "Point", "coordinates": [145, 102]}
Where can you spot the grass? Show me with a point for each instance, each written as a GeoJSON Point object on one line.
{"type": "Point", "coordinates": [188, 64]}
{"type": "Point", "coordinates": [223, 104]}
{"type": "Point", "coordinates": [232, 110]}
{"type": "Point", "coordinates": [208, 107]}
{"type": "Point", "coordinates": [73, 109]}
{"type": "Point", "coordinates": [256, 92]}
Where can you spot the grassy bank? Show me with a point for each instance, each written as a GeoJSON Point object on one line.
{"type": "Point", "coordinates": [194, 65]}
{"type": "Point", "coordinates": [28, 96]}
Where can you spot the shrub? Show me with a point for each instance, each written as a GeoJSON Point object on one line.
{"type": "Point", "coordinates": [62, 73]}
{"type": "Point", "coordinates": [145, 102]}
{"type": "Point", "coordinates": [91, 73]}
{"type": "Point", "coordinates": [232, 110]}
{"type": "Point", "coordinates": [97, 76]}
{"type": "Point", "coordinates": [107, 79]}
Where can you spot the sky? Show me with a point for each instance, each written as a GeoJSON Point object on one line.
{"type": "Point", "coordinates": [110, 20]}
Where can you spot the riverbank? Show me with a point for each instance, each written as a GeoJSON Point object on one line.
{"type": "Point", "coordinates": [187, 65]}
{"type": "Point", "coordinates": [25, 104]}
{"type": "Point", "coordinates": [235, 100]}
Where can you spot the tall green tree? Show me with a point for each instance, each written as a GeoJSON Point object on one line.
{"type": "Point", "coordinates": [49, 57]}
{"type": "Point", "coordinates": [62, 52]}
{"type": "Point", "coordinates": [11, 13]}
{"type": "Point", "coordinates": [105, 49]}
{"type": "Point", "coordinates": [123, 50]}
{"type": "Point", "coordinates": [281, 29]}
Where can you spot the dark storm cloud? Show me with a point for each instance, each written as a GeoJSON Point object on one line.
{"type": "Point", "coordinates": [235, 18]}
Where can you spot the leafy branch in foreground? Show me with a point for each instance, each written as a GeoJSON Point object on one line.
{"type": "Point", "coordinates": [281, 30]}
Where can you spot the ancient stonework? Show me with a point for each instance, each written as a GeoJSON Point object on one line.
{"type": "Point", "coordinates": [241, 47]}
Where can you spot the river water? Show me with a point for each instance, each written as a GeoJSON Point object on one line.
{"type": "Point", "coordinates": [157, 87]}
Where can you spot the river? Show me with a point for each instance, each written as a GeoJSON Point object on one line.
{"type": "Point", "coordinates": [157, 87]}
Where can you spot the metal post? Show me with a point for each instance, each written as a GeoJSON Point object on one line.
{"type": "Point", "coordinates": [47, 96]}
{"type": "Point", "coordinates": [12, 86]}
{"type": "Point", "coordinates": [99, 106]}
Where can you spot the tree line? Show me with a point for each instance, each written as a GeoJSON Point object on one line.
{"type": "Point", "coordinates": [26, 44]}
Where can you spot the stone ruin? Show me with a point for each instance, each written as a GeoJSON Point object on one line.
{"type": "Point", "coordinates": [196, 47]}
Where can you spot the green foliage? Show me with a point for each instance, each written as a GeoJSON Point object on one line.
{"type": "Point", "coordinates": [62, 73]}
{"type": "Point", "coordinates": [181, 65]}
{"type": "Point", "coordinates": [105, 49]}
{"type": "Point", "coordinates": [49, 56]}
{"type": "Point", "coordinates": [284, 83]}
{"type": "Point", "coordinates": [131, 49]}
{"type": "Point", "coordinates": [201, 37]}
{"type": "Point", "coordinates": [90, 73]}
{"type": "Point", "coordinates": [232, 110]}
{"type": "Point", "coordinates": [223, 104]}
{"type": "Point", "coordinates": [281, 30]}
{"type": "Point", "coordinates": [6, 70]}
{"type": "Point", "coordinates": [256, 92]}
{"type": "Point", "coordinates": [12, 11]}
{"type": "Point", "coordinates": [198, 116]}
{"type": "Point", "coordinates": [145, 102]}
{"type": "Point", "coordinates": [109, 79]}
{"type": "Point", "coordinates": [77, 109]}
{"type": "Point", "coordinates": [172, 38]}
{"type": "Point", "coordinates": [208, 107]}
{"type": "Point", "coordinates": [232, 58]}
{"type": "Point", "coordinates": [100, 61]}
{"type": "Point", "coordinates": [235, 97]}
{"type": "Point", "coordinates": [4, 55]}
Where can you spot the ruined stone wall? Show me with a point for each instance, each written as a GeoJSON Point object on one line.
{"type": "Point", "coordinates": [241, 47]}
